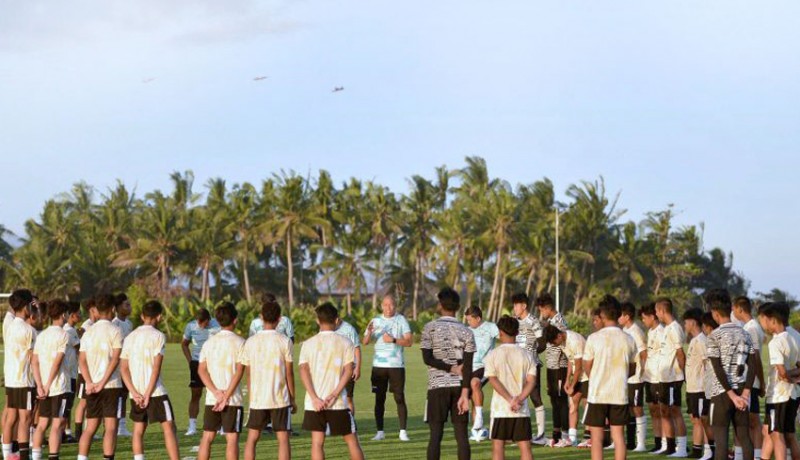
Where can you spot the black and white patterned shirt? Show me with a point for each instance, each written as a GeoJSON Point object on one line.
{"type": "Point", "coordinates": [449, 340]}
{"type": "Point", "coordinates": [733, 346]}
{"type": "Point", "coordinates": [554, 355]}
{"type": "Point", "coordinates": [530, 330]}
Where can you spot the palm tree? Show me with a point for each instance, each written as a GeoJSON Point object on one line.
{"type": "Point", "coordinates": [245, 209]}
{"type": "Point", "coordinates": [381, 215]}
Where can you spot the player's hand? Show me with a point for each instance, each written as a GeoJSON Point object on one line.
{"type": "Point", "coordinates": [319, 404]}
{"type": "Point", "coordinates": [463, 405]}
{"type": "Point", "coordinates": [145, 402]}
{"type": "Point", "coordinates": [41, 393]}
{"type": "Point", "coordinates": [220, 405]}
{"type": "Point", "coordinates": [457, 369]}
{"type": "Point", "coordinates": [569, 389]}
{"type": "Point", "coordinates": [219, 395]}
{"type": "Point", "coordinates": [387, 338]}
{"type": "Point", "coordinates": [370, 329]}
{"type": "Point", "coordinates": [294, 405]}
{"type": "Point", "coordinates": [356, 374]}
{"type": "Point", "coordinates": [137, 398]}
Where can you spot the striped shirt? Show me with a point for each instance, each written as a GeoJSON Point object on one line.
{"type": "Point", "coordinates": [530, 331]}
{"type": "Point", "coordinates": [449, 339]}
{"type": "Point", "coordinates": [732, 345]}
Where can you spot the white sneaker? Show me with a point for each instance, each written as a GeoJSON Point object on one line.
{"type": "Point", "coordinates": [379, 436]}
{"type": "Point", "coordinates": [610, 447]}
{"type": "Point", "coordinates": [585, 444]}
{"type": "Point", "coordinates": [707, 455]}
{"type": "Point", "coordinates": [563, 443]}
{"type": "Point", "coordinates": [123, 432]}
{"type": "Point", "coordinates": [404, 436]}
{"type": "Point", "coordinates": [679, 454]}
{"type": "Point", "coordinates": [479, 434]}
{"type": "Point", "coordinates": [191, 432]}
{"type": "Point", "coordinates": [541, 440]}
{"type": "Point", "coordinates": [641, 448]}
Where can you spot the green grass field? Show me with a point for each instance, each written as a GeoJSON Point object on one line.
{"type": "Point", "coordinates": [176, 378]}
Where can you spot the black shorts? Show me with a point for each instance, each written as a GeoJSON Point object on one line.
{"type": "Point", "coordinates": [350, 388]}
{"type": "Point", "coordinates": [722, 413]}
{"type": "Point", "coordinates": [125, 395]}
{"type": "Point", "coordinates": [636, 394]}
{"type": "Point", "coordinates": [443, 402]}
{"type": "Point", "coordinates": [21, 398]}
{"type": "Point", "coordinates": [536, 394]}
{"type": "Point", "coordinates": [54, 406]}
{"type": "Point", "coordinates": [780, 417]}
{"type": "Point", "coordinates": [340, 422]}
{"type": "Point", "coordinates": [597, 414]}
{"type": "Point", "coordinates": [515, 429]}
{"type": "Point", "coordinates": [651, 392]}
{"type": "Point", "coordinates": [755, 405]}
{"type": "Point", "coordinates": [230, 419]}
{"type": "Point", "coordinates": [281, 419]}
{"type": "Point", "coordinates": [697, 404]}
{"type": "Point", "coordinates": [556, 378]}
{"type": "Point", "coordinates": [194, 376]}
{"type": "Point", "coordinates": [107, 403]}
{"type": "Point", "coordinates": [581, 387]}
{"type": "Point", "coordinates": [80, 390]}
{"type": "Point", "coordinates": [480, 374]}
{"type": "Point", "coordinates": [393, 378]}
{"type": "Point", "coordinates": [669, 394]}
{"type": "Point", "coordinates": [158, 411]}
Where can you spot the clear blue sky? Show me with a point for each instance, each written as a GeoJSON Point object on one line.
{"type": "Point", "coordinates": [685, 102]}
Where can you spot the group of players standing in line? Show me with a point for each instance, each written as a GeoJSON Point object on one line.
{"type": "Point", "coordinates": [616, 370]}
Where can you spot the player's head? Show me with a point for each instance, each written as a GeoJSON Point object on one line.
{"type": "Point", "coordinates": [152, 312]}
{"type": "Point", "coordinates": [449, 301]}
{"type": "Point", "coordinates": [35, 317]}
{"type": "Point", "coordinates": [609, 309]}
{"type": "Point", "coordinates": [327, 315]}
{"type": "Point", "coordinates": [627, 314]}
{"type": "Point", "coordinates": [509, 329]}
{"type": "Point", "coordinates": [388, 306]}
{"type": "Point", "coordinates": [693, 320]}
{"type": "Point", "coordinates": [203, 318]}
{"type": "Point", "coordinates": [104, 304]}
{"type": "Point", "coordinates": [89, 305]}
{"type": "Point", "coordinates": [554, 335]}
{"type": "Point", "coordinates": [718, 302]}
{"type": "Point", "coordinates": [742, 308]}
{"type": "Point", "coordinates": [709, 323]}
{"type": "Point", "coordinates": [474, 316]}
{"type": "Point", "coordinates": [597, 321]}
{"type": "Point", "coordinates": [226, 315]}
{"type": "Point", "coordinates": [648, 315]}
{"type": "Point", "coordinates": [20, 300]}
{"type": "Point", "coordinates": [270, 312]}
{"type": "Point", "coordinates": [664, 309]}
{"type": "Point", "coordinates": [123, 305]}
{"type": "Point", "coordinates": [772, 317]}
{"type": "Point", "coordinates": [74, 312]}
{"type": "Point", "coordinates": [57, 310]}
{"type": "Point", "coordinates": [546, 305]}
{"type": "Point", "coordinates": [520, 303]}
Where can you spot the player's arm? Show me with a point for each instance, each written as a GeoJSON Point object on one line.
{"type": "Point", "coordinates": [125, 373]}
{"type": "Point", "coordinates": [587, 367]}
{"type": "Point", "coordinates": [681, 357]}
{"type": "Point", "coordinates": [367, 337]}
{"type": "Point", "coordinates": [576, 372]}
{"type": "Point", "coordinates": [642, 360]}
{"type": "Point", "coordinates": [83, 366]}
{"type": "Point", "coordinates": [357, 368]}
{"type": "Point", "coordinates": [54, 368]}
{"type": "Point", "coordinates": [290, 385]}
{"type": "Point", "coordinates": [501, 390]}
{"type": "Point", "coordinates": [37, 376]}
{"type": "Point", "coordinates": [406, 340]}
{"type": "Point", "coordinates": [112, 366]}
{"type": "Point", "coordinates": [530, 384]}
{"type": "Point", "coordinates": [205, 377]}
{"type": "Point", "coordinates": [759, 368]}
{"type": "Point", "coordinates": [187, 353]}
{"type": "Point", "coordinates": [344, 378]}
{"type": "Point", "coordinates": [308, 382]}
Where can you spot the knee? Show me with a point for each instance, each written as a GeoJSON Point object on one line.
{"type": "Point", "coordinates": [400, 398]}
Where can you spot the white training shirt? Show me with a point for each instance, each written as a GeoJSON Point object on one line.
{"type": "Point", "coordinates": [266, 355]}
{"type": "Point", "coordinates": [611, 351]}
{"type": "Point", "coordinates": [124, 325]}
{"type": "Point", "coordinates": [651, 367]}
{"type": "Point", "coordinates": [140, 349]}
{"type": "Point", "coordinates": [671, 341]}
{"type": "Point", "coordinates": [695, 364]}
{"type": "Point", "coordinates": [511, 365]}
{"type": "Point", "coordinates": [327, 354]}
{"type": "Point", "coordinates": [573, 349]}
{"type": "Point", "coordinates": [221, 354]}
{"type": "Point", "coordinates": [758, 338]}
{"type": "Point", "coordinates": [71, 356]}
{"type": "Point", "coordinates": [51, 343]}
{"type": "Point", "coordinates": [783, 350]}
{"type": "Point", "coordinates": [637, 334]}
{"type": "Point", "coordinates": [18, 345]}
{"type": "Point", "coordinates": [99, 343]}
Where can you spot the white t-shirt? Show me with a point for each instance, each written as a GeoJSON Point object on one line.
{"type": "Point", "coordinates": [71, 356]}
{"type": "Point", "coordinates": [221, 354]}
{"type": "Point", "coordinates": [671, 341]}
{"type": "Point", "coordinates": [651, 367]}
{"type": "Point", "coordinates": [783, 350]}
{"type": "Point", "coordinates": [19, 341]}
{"type": "Point", "coordinates": [124, 325]}
{"type": "Point", "coordinates": [87, 324]}
{"type": "Point", "coordinates": [49, 344]}
{"type": "Point", "coordinates": [327, 354]}
{"type": "Point", "coordinates": [266, 355]}
{"type": "Point", "coordinates": [611, 351]}
{"type": "Point", "coordinates": [695, 364]}
{"type": "Point", "coordinates": [640, 340]}
{"type": "Point", "coordinates": [7, 320]}
{"type": "Point", "coordinates": [573, 349]}
{"type": "Point", "coordinates": [141, 349]}
{"type": "Point", "coordinates": [99, 343]}
{"type": "Point", "coordinates": [758, 338]}
{"type": "Point", "coordinates": [511, 365]}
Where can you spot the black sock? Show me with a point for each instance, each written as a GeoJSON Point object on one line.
{"type": "Point", "coordinates": [14, 447]}
{"type": "Point", "coordinates": [697, 451]}
{"type": "Point", "coordinates": [24, 451]}
{"type": "Point", "coordinates": [556, 436]}
{"type": "Point", "coordinates": [78, 430]}
{"type": "Point", "coordinates": [657, 440]}
{"type": "Point", "coordinates": [108, 457]}
{"type": "Point", "coordinates": [630, 441]}
{"type": "Point", "coordinates": [670, 446]}
{"type": "Point", "coordinates": [52, 457]}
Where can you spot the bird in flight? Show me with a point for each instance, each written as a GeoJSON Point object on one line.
{"type": "Point", "coordinates": [147, 80]}
{"type": "Point", "coordinates": [259, 78]}
{"type": "Point", "coordinates": [337, 89]}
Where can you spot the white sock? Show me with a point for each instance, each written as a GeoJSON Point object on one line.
{"type": "Point", "coordinates": [680, 444]}
{"type": "Point", "coordinates": [738, 453]}
{"type": "Point", "coordinates": [123, 425]}
{"type": "Point", "coordinates": [478, 418]}
{"type": "Point", "coordinates": [192, 423]}
{"type": "Point", "coordinates": [138, 457]}
{"type": "Point", "coordinates": [6, 450]}
{"type": "Point", "coordinates": [36, 454]}
{"type": "Point", "coordinates": [573, 435]}
{"type": "Point", "coordinates": [663, 443]}
{"type": "Point", "coordinates": [757, 453]}
{"type": "Point", "coordinates": [641, 431]}
{"type": "Point", "coordinates": [68, 431]}
{"type": "Point", "coordinates": [540, 421]}
{"type": "Point", "coordinates": [83, 457]}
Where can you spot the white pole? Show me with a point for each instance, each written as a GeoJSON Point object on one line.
{"type": "Point", "coordinates": [558, 303]}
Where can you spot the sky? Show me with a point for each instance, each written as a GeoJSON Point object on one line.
{"type": "Point", "coordinates": [678, 102]}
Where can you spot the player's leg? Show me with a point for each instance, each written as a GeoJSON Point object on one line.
{"type": "Point", "coordinates": [574, 415]}
{"type": "Point", "coordinates": [499, 450]}
{"type": "Point", "coordinates": [667, 426]}
{"type": "Point", "coordinates": [677, 418]}
{"type": "Point", "coordinates": [741, 421]}
{"type": "Point", "coordinates": [212, 422]}
{"type": "Point", "coordinates": [24, 421]}
{"type": "Point", "coordinates": [538, 407]}
{"type": "Point", "coordinates": [380, 386]}
{"type": "Point", "coordinates": [284, 446]}
{"type": "Point", "coordinates": [353, 447]}
{"type": "Point", "coordinates": [437, 408]}
{"type": "Point", "coordinates": [137, 439]}
{"type": "Point", "coordinates": [525, 452]}
{"type": "Point", "coordinates": [461, 431]}
{"type": "Point", "coordinates": [171, 440]}
{"type": "Point", "coordinates": [255, 424]}
{"type": "Point", "coordinates": [435, 440]}
{"type": "Point", "coordinates": [56, 429]}
{"type": "Point", "coordinates": [85, 443]}
{"type": "Point", "coordinates": [351, 399]}
{"type": "Point", "coordinates": [110, 424]}
{"type": "Point", "coordinates": [618, 438]}
{"type": "Point", "coordinates": [756, 430]}
{"type": "Point", "coordinates": [477, 403]}
{"type": "Point", "coordinates": [38, 436]}
{"type": "Point", "coordinates": [194, 409]}
{"type": "Point", "coordinates": [397, 385]}
{"type": "Point", "coordinates": [317, 445]}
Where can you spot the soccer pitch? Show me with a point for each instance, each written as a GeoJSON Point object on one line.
{"type": "Point", "coordinates": [176, 379]}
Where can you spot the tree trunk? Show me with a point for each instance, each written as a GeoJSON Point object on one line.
{"type": "Point", "coordinates": [416, 288]}
{"type": "Point", "coordinates": [502, 296]}
{"type": "Point", "coordinates": [206, 294]}
{"type": "Point", "coordinates": [493, 296]}
{"type": "Point", "coordinates": [376, 283]}
{"type": "Point", "coordinates": [349, 304]}
{"type": "Point", "coordinates": [289, 266]}
{"type": "Point", "coordinates": [530, 280]}
{"type": "Point", "coordinates": [246, 276]}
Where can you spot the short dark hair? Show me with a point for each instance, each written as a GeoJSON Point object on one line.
{"type": "Point", "coordinates": [475, 312]}
{"type": "Point", "coordinates": [152, 308]}
{"type": "Point", "coordinates": [777, 311]}
{"type": "Point", "coordinates": [270, 311]}
{"type": "Point", "coordinates": [56, 309]}
{"type": "Point", "coordinates": [628, 308]}
{"type": "Point", "coordinates": [20, 299]}
{"type": "Point", "coordinates": [551, 333]}
{"type": "Point", "coordinates": [509, 325]}
{"type": "Point", "coordinates": [648, 309]}
{"type": "Point", "coordinates": [120, 299]}
{"type": "Point", "coordinates": [719, 300]}
{"type": "Point", "coordinates": [105, 303]}
{"type": "Point", "coordinates": [73, 307]}
{"type": "Point", "coordinates": [666, 302]}
{"type": "Point", "coordinates": [202, 315]}
{"type": "Point", "coordinates": [327, 313]}
{"type": "Point", "coordinates": [89, 303]}
{"type": "Point", "coordinates": [784, 308]}
{"type": "Point", "coordinates": [520, 297]}
{"type": "Point", "coordinates": [226, 314]}
{"type": "Point", "coordinates": [266, 297]}
{"type": "Point", "coordinates": [609, 307]}
{"type": "Point", "coordinates": [596, 312]}
{"type": "Point", "coordinates": [545, 300]}
{"type": "Point", "coordinates": [744, 303]}
{"type": "Point", "coordinates": [708, 320]}
{"type": "Point", "coordinates": [694, 314]}
{"type": "Point", "coordinates": [449, 299]}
